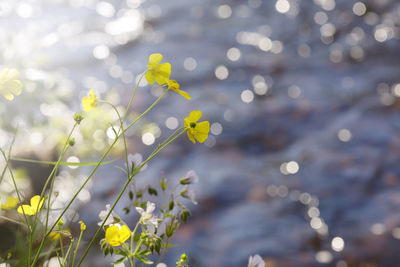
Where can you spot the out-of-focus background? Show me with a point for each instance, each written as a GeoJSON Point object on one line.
{"type": "Point", "coordinates": [302, 165]}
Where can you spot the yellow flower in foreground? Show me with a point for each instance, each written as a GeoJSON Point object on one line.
{"type": "Point", "coordinates": [174, 86]}
{"type": "Point", "coordinates": [196, 130]}
{"type": "Point", "coordinates": [36, 205]}
{"type": "Point", "coordinates": [89, 102]}
{"type": "Point", "coordinates": [10, 203]}
{"type": "Point", "coordinates": [9, 85]}
{"type": "Point", "coordinates": [116, 236]}
{"type": "Point", "coordinates": [157, 72]}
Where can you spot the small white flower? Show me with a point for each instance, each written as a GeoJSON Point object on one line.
{"type": "Point", "coordinates": [256, 261]}
{"type": "Point", "coordinates": [147, 217]}
{"type": "Point", "coordinates": [190, 194]}
{"type": "Point", "coordinates": [161, 265]}
{"type": "Point", "coordinates": [163, 226]}
{"type": "Point", "coordinates": [110, 219]}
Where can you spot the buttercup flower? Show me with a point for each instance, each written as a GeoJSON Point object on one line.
{"type": "Point", "coordinates": [36, 205]}
{"type": "Point", "coordinates": [157, 72]}
{"type": "Point", "coordinates": [89, 102]}
{"type": "Point", "coordinates": [10, 203]}
{"type": "Point", "coordinates": [196, 130]}
{"type": "Point", "coordinates": [147, 218]}
{"type": "Point", "coordinates": [9, 85]}
{"type": "Point", "coordinates": [116, 236]}
{"type": "Point", "coordinates": [174, 86]}
{"type": "Point", "coordinates": [256, 261]}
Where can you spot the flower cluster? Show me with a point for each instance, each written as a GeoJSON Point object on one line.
{"type": "Point", "coordinates": [155, 226]}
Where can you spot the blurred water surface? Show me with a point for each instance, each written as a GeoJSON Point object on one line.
{"type": "Point", "coordinates": [302, 163]}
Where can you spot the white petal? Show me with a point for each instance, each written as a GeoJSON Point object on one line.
{"type": "Point", "coordinates": [140, 210]}
{"type": "Point", "coordinates": [150, 207]}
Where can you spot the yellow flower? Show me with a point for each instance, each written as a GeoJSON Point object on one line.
{"type": "Point", "coordinates": [174, 86]}
{"type": "Point", "coordinates": [9, 85]}
{"type": "Point", "coordinates": [196, 130]}
{"type": "Point", "coordinates": [116, 236]}
{"type": "Point", "coordinates": [158, 72]}
{"type": "Point", "coordinates": [89, 102]}
{"type": "Point", "coordinates": [36, 205]}
{"type": "Point", "coordinates": [10, 203]}
{"type": "Point", "coordinates": [55, 235]}
{"type": "Point", "coordinates": [83, 226]}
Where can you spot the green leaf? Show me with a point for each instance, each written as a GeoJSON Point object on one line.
{"type": "Point", "coordinates": [120, 260]}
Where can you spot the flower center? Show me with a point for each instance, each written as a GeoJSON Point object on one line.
{"type": "Point", "coordinates": [192, 125]}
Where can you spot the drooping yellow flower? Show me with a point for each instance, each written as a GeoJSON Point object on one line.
{"type": "Point", "coordinates": [174, 86]}
{"type": "Point", "coordinates": [10, 203]}
{"type": "Point", "coordinates": [156, 71]}
{"type": "Point", "coordinates": [9, 85]}
{"type": "Point", "coordinates": [196, 130]}
{"type": "Point", "coordinates": [36, 205]}
{"type": "Point", "coordinates": [116, 236]}
{"type": "Point", "coordinates": [89, 102]}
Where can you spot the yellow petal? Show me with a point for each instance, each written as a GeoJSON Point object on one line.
{"type": "Point", "coordinates": [36, 203]}
{"type": "Point", "coordinates": [112, 236]}
{"type": "Point", "coordinates": [10, 203]}
{"type": "Point", "coordinates": [154, 59]}
{"type": "Point", "coordinates": [195, 115]}
{"type": "Point", "coordinates": [8, 96]}
{"type": "Point", "coordinates": [163, 73]}
{"type": "Point", "coordinates": [124, 233]}
{"type": "Point", "coordinates": [26, 209]}
{"type": "Point", "coordinates": [184, 94]}
{"type": "Point", "coordinates": [150, 77]}
{"type": "Point", "coordinates": [190, 136]}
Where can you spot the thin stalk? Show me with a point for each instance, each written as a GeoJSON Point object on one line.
{"type": "Point", "coordinates": [76, 249]}
{"type": "Point", "coordinates": [121, 128]}
{"type": "Point", "coordinates": [164, 250]}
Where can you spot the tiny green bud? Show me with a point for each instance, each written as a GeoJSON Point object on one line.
{"type": "Point", "coordinates": [126, 210]}
{"type": "Point", "coordinates": [184, 180]}
{"type": "Point", "coordinates": [184, 257]}
{"type": "Point", "coordinates": [164, 184]}
{"type": "Point", "coordinates": [71, 142]}
{"type": "Point", "coordinates": [171, 205]}
{"type": "Point", "coordinates": [184, 215]}
{"type": "Point", "coordinates": [78, 118]}
{"type": "Point", "coordinates": [130, 195]}
{"type": "Point", "coordinates": [60, 223]}
{"type": "Point", "coordinates": [152, 191]}
{"type": "Point", "coordinates": [139, 194]}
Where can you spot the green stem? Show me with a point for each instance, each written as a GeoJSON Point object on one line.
{"type": "Point", "coordinates": [76, 249]}
{"type": "Point", "coordinates": [123, 134]}
{"type": "Point", "coordinates": [164, 250]}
